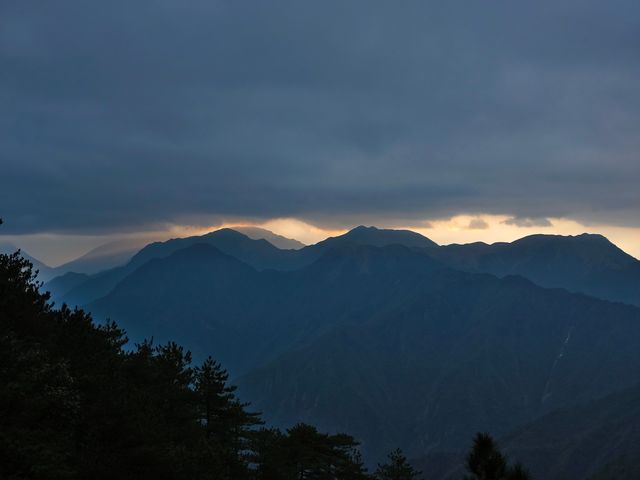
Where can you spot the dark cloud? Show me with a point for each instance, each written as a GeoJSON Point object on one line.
{"type": "Point", "coordinates": [129, 115]}
{"type": "Point", "coordinates": [528, 222]}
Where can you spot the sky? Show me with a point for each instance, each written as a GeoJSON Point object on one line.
{"type": "Point", "coordinates": [463, 120]}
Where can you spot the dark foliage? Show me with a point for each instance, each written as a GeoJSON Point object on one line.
{"type": "Point", "coordinates": [486, 462]}
{"type": "Point", "coordinates": [396, 468]}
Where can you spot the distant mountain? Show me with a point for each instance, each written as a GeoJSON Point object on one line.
{"type": "Point", "coordinates": [385, 342]}
{"type": "Point", "coordinates": [192, 296]}
{"type": "Point", "coordinates": [274, 239]}
{"type": "Point", "coordinates": [45, 272]}
{"type": "Point", "coordinates": [377, 237]}
{"type": "Point", "coordinates": [59, 286]}
{"type": "Point", "coordinates": [453, 354]}
{"type": "Point", "coordinates": [103, 257]}
{"type": "Point", "coordinates": [100, 258]}
{"type": "Point", "coordinates": [260, 254]}
{"type": "Point", "coordinates": [585, 263]}
{"type": "Point", "coordinates": [248, 316]}
{"type": "Point", "coordinates": [599, 440]}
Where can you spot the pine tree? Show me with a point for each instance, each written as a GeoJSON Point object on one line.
{"type": "Point", "coordinates": [396, 468]}
{"type": "Point", "coordinates": [226, 422]}
{"type": "Point", "coordinates": [269, 455]}
{"type": "Point", "coordinates": [518, 472]}
{"type": "Point", "coordinates": [486, 462]}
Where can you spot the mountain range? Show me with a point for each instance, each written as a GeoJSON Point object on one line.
{"type": "Point", "coordinates": [391, 337]}
{"type": "Point", "coordinates": [584, 263]}
{"type": "Point", "coordinates": [103, 257]}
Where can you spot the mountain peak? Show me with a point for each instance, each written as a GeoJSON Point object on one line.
{"type": "Point", "coordinates": [364, 228]}
{"type": "Point", "coordinates": [225, 233]}
{"type": "Point", "coordinates": [592, 246]}
{"type": "Point", "coordinates": [380, 237]}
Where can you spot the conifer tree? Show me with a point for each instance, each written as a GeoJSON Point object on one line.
{"type": "Point", "coordinates": [225, 419]}
{"type": "Point", "coordinates": [396, 468]}
{"type": "Point", "coordinates": [486, 462]}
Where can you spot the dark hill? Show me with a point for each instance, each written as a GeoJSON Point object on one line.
{"type": "Point", "coordinates": [59, 286]}
{"type": "Point", "coordinates": [453, 354]}
{"type": "Point", "coordinates": [585, 263]}
{"type": "Point", "coordinates": [248, 316]}
{"type": "Point", "coordinates": [258, 253]}
{"type": "Point", "coordinates": [599, 440]}
{"type": "Point", "coordinates": [386, 342]}
{"type": "Point", "coordinates": [377, 237]}
{"type": "Point", "coordinates": [595, 439]}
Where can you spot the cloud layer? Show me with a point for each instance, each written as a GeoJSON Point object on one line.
{"type": "Point", "coordinates": [128, 115]}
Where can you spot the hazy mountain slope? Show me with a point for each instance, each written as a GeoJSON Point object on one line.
{"type": "Point", "coordinates": [45, 272]}
{"type": "Point", "coordinates": [385, 342]}
{"type": "Point", "coordinates": [103, 257]}
{"type": "Point", "coordinates": [596, 440]}
{"type": "Point", "coordinates": [276, 240]}
{"type": "Point", "coordinates": [59, 286]}
{"type": "Point", "coordinates": [585, 263]}
{"type": "Point", "coordinates": [250, 316]}
{"type": "Point", "coordinates": [583, 441]}
{"type": "Point", "coordinates": [193, 297]}
{"type": "Point", "coordinates": [258, 253]}
{"type": "Point", "coordinates": [623, 467]}
{"type": "Point", "coordinates": [457, 354]}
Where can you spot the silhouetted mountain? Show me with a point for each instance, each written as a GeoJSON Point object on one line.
{"type": "Point", "coordinates": [198, 295]}
{"type": "Point", "coordinates": [103, 257]}
{"type": "Point", "coordinates": [59, 286]}
{"type": "Point", "coordinates": [377, 237]}
{"type": "Point", "coordinates": [276, 240]}
{"type": "Point", "coordinates": [454, 353]}
{"type": "Point", "coordinates": [585, 263]}
{"type": "Point", "coordinates": [258, 253]}
{"type": "Point", "coordinates": [248, 316]}
{"type": "Point", "coordinates": [385, 342]}
{"type": "Point", "coordinates": [597, 440]}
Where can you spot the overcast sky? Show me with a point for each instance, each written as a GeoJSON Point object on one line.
{"type": "Point", "coordinates": [124, 116]}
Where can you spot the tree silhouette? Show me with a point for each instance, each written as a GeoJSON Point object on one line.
{"type": "Point", "coordinates": [396, 468]}
{"type": "Point", "coordinates": [486, 462]}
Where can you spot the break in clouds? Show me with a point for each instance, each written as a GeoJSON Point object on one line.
{"type": "Point", "coordinates": [120, 115]}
